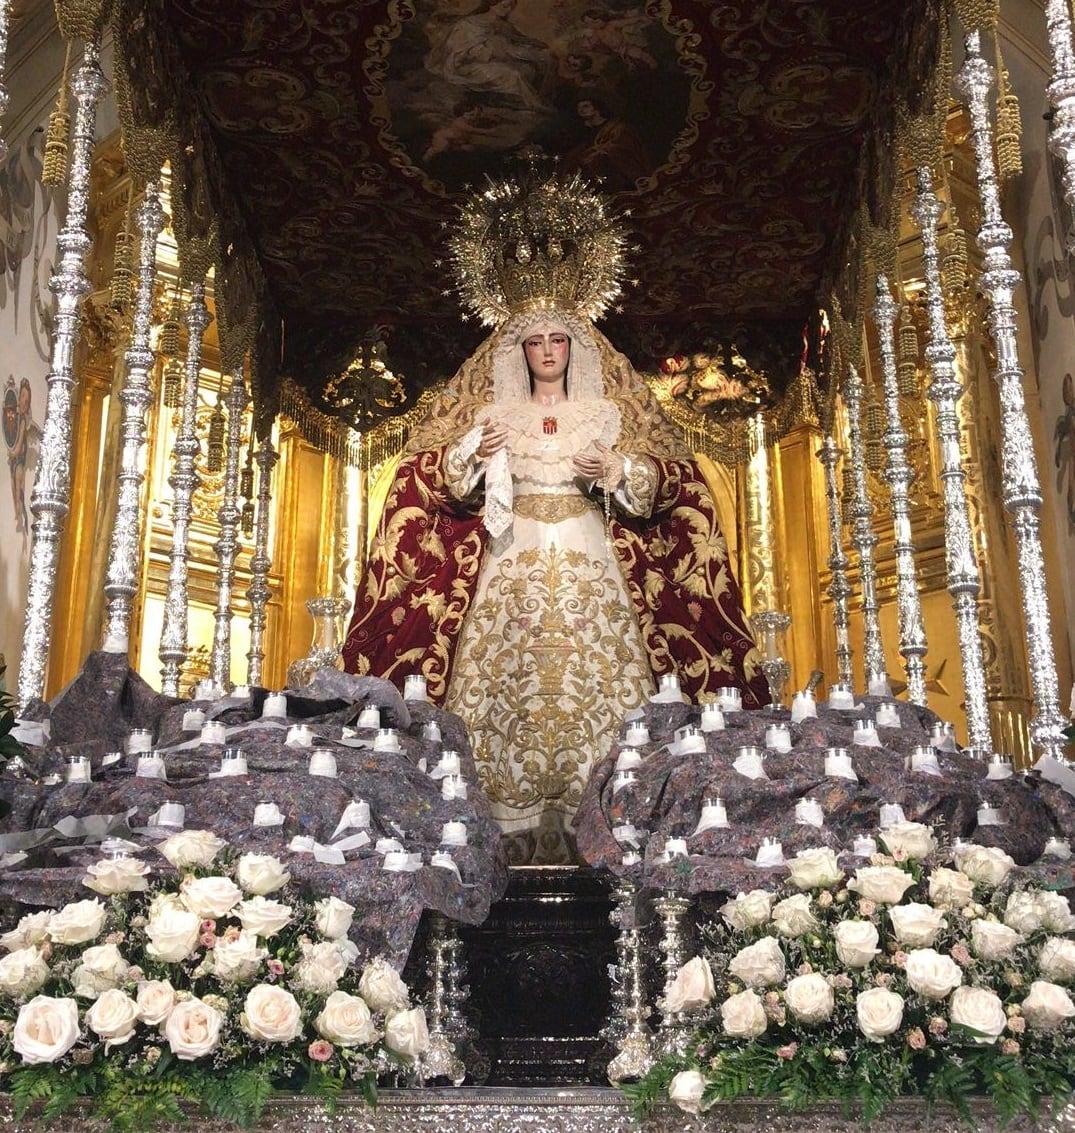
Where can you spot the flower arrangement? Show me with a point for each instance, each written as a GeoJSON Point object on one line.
{"type": "Point", "coordinates": [217, 985]}
{"type": "Point", "coordinates": [906, 978]}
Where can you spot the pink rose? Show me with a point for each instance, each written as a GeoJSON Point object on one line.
{"type": "Point", "coordinates": [320, 1050]}
{"type": "Point", "coordinates": [916, 1040]}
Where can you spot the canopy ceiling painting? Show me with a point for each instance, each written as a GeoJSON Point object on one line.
{"type": "Point", "coordinates": [742, 139]}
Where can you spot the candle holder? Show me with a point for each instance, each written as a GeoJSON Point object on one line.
{"type": "Point", "coordinates": [635, 1039]}
{"type": "Point", "coordinates": [770, 627]}
{"type": "Point", "coordinates": [327, 645]}
{"type": "Point", "coordinates": [445, 1021]}
{"type": "Point", "coordinates": [674, 1030]}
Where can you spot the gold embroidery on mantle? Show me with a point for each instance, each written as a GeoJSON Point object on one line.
{"type": "Point", "coordinates": [550, 508]}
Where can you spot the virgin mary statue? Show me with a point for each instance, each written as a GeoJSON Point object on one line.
{"type": "Point", "coordinates": [548, 548]}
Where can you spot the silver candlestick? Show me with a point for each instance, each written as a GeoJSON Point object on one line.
{"type": "Point", "coordinates": [635, 1050]}
{"type": "Point", "coordinates": [769, 626]}
{"type": "Point", "coordinates": [259, 593]}
{"type": "Point", "coordinates": [441, 1060]}
{"type": "Point", "coordinates": [227, 546]}
{"type": "Point", "coordinates": [674, 1030]}
{"type": "Point", "coordinates": [51, 496]}
{"type": "Point", "coordinates": [898, 476]}
{"type": "Point", "coordinates": [839, 589]}
{"type": "Point", "coordinates": [1022, 489]}
{"type": "Point", "coordinates": [124, 554]}
{"type": "Point", "coordinates": [865, 540]}
{"type": "Point", "coordinates": [184, 482]}
{"type": "Point", "coordinates": [1061, 91]}
{"type": "Point", "coordinates": [944, 391]}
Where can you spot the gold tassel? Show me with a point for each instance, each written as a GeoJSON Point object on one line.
{"type": "Point", "coordinates": [1009, 130]}
{"type": "Point", "coordinates": [54, 163]}
{"type": "Point", "coordinates": [907, 366]}
{"type": "Point", "coordinates": [246, 490]}
{"type": "Point", "coordinates": [955, 262]}
{"type": "Point", "coordinates": [172, 383]}
{"type": "Point", "coordinates": [171, 329]}
{"type": "Point", "coordinates": [214, 449]}
{"type": "Point", "coordinates": [119, 290]}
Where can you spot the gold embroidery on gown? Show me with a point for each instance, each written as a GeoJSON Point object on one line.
{"type": "Point", "coordinates": [550, 657]}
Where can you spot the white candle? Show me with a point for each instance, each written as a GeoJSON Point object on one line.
{"type": "Point", "coordinates": [888, 716]}
{"type": "Point", "coordinates": [431, 732]}
{"type": "Point", "coordinates": [370, 717]}
{"type": "Point", "coordinates": [770, 853]}
{"type": "Point", "coordinates": [299, 735]}
{"type": "Point", "coordinates": [778, 738]}
{"type": "Point", "coordinates": [865, 846]}
{"type": "Point", "coordinates": [414, 687]}
{"type": "Point", "coordinates": [838, 764]}
{"type": "Point", "coordinates": [140, 739]}
{"type": "Point", "coordinates": [449, 762]}
{"type": "Point", "coordinates": [454, 834]}
{"type": "Point", "coordinates": [323, 763]}
{"type": "Point", "coordinates": [637, 733]}
{"type": "Point", "coordinates": [233, 761]}
{"type": "Point", "coordinates": [712, 718]}
{"type": "Point", "coordinates": [170, 814]}
{"type": "Point", "coordinates": [841, 696]}
{"type": "Point", "coordinates": [267, 814]}
{"type": "Point", "coordinates": [150, 766]}
{"type": "Point", "coordinates": [275, 706]}
{"type": "Point", "coordinates": [808, 812]}
{"type": "Point", "coordinates": [803, 707]}
{"type": "Point", "coordinates": [628, 759]}
{"type": "Point", "coordinates": [676, 847]}
{"type": "Point", "coordinates": [193, 719]}
{"type": "Point", "coordinates": [729, 699]}
{"type": "Point", "coordinates": [79, 769]}
{"type": "Point", "coordinates": [891, 813]}
{"type": "Point", "coordinates": [989, 816]}
{"type": "Point", "coordinates": [213, 732]}
{"type": "Point", "coordinates": [241, 692]}
{"type": "Point", "coordinates": [386, 739]}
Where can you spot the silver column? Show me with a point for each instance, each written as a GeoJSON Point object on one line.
{"type": "Point", "coordinates": [898, 475]}
{"type": "Point", "coordinates": [1022, 490]}
{"type": "Point", "coordinates": [839, 589]}
{"type": "Point", "coordinates": [259, 593]}
{"type": "Point", "coordinates": [944, 391]}
{"type": "Point", "coordinates": [4, 13]}
{"type": "Point", "coordinates": [51, 496]}
{"type": "Point", "coordinates": [184, 482]}
{"type": "Point", "coordinates": [227, 546]}
{"type": "Point", "coordinates": [121, 580]}
{"type": "Point", "coordinates": [864, 540]}
{"type": "Point", "coordinates": [1061, 91]}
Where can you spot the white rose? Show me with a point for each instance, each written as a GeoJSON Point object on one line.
{"type": "Point", "coordinates": [856, 942]}
{"type": "Point", "coordinates": [210, 897]}
{"type": "Point", "coordinates": [743, 1015]}
{"type": "Point", "coordinates": [193, 1029]}
{"type": "Point", "coordinates": [884, 884]}
{"type": "Point", "coordinates": [173, 933]}
{"type": "Point", "coordinates": [950, 889]}
{"type": "Point", "coordinates": [22, 972]}
{"type": "Point", "coordinates": [1057, 959]}
{"type": "Point", "coordinates": [981, 1010]}
{"type": "Point", "coordinates": [686, 1090]}
{"type": "Point", "coordinates": [156, 998]}
{"type": "Point", "coordinates": [191, 848]}
{"type": "Point", "coordinates": [992, 941]}
{"type": "Point", "coordinates": [931, 974]}
{"type": "Point", "coordinates": [815, 869]}
{"type": "Point", "coordinates": [381, 986]}
{"type": "Point", "coordinates": [760, 964]}
{"type": "Point", "coordinates": [46, 1029]}
{"type": "Point", "coordinates": [261, 874]}
{"type": "Point", "coordinates": [113, 1017]}
{"type": "Point", "coordinates": [237, 959]}
{"type": "Point", "coordinates": [1023, 912]}
{"type": "Point", "coordinates": [915, 924]}
{"type": "Point", "coordinates": [748, 910]}
{"type": "Point", "coordinates": [911, 840]}
{"type": "Point", "coordinates": [117, 875]}
{"type": "Point", "coordinates": [809, 998]}
{"type": "Point", "coordinates": [346, 1021]}
{"type": "Point", "coordinates": [31, 929]}
{"type": "Point", "coordinates": [1055, 911]}
{"type": "Point", "coordinates": [406, 1032]}
{"type": "Point", "coordinates": [1047, 1006]}
{"type": "Point", "coordinates": [333, 918]}
{"type": "Point", "coordinates": [880, 1013]}
{"type": "Point", "coordinates": [793, 917]}
{"type": "Point", "coordinates": [321, 967]}
{"type": "Point", "coordinates": [984, 865]}
{"type": "Point", "coordinates": [692, 987]}
{"type": "Point", "coordinates": [264, 917]}
{"type": "Point", "coordinates": [76, 923]}
{"type": "Point", "coordinates": [102, 968]}
{"type": "Point", "coordinates": [271, 1014]}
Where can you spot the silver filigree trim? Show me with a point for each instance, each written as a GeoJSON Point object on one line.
{"type": "Point", "coordinates": [259, 593]}
{"type": "Point", "coordinates": [839, 589]}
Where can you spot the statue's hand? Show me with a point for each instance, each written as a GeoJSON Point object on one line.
{"type": "Point", "coordinates": [600, 464]}
{"type": "Point", "coordinates": [494, 438]}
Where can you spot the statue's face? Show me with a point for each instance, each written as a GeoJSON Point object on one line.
{"type": "Point", "coordinates": [547, 354]}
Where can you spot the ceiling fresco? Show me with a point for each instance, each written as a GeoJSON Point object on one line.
{"type": "Point", "coordinates": [740, 137]}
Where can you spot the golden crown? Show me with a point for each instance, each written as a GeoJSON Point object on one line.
{"type": "Point", "coordinates": [536, 241]}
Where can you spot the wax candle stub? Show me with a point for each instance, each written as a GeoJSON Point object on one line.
{"type": "Point", "coordinates": [140, 739]}
{"type": "Point", "coordinates": [323, 763]}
